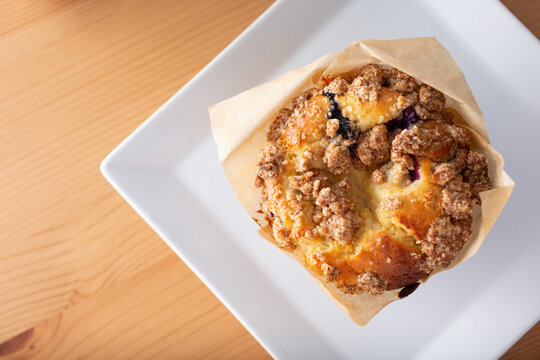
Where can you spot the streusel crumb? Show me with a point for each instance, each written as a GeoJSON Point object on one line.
{"type": "Point", "coordinates": [371, 283]}
{"type": "Point", "coordinates": [277, 126]}
{"type": "Point", "coordinates": [373, 147]}
{"type": "Point", "coordinates": [367, 85]}
{"type": "Point", "coordinates": [270, 161]}
{"type": "Point", "coordinates": [431, 99]}
{"type": "Point", "coordinates": [338, 86]}
{"type": "Point", "coordinates": [378, 176]}
{"type": "Point", "coordinates": [338, 158]}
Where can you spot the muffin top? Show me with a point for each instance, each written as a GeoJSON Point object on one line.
{"type": "Point", "coordinates": [368, 180]}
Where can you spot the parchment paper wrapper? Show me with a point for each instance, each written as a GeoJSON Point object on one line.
{"type": "Point", "coordinates": [240, 124]}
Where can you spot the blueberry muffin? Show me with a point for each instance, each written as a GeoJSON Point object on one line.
{"type": "Point", "coordinates": [369, 180]}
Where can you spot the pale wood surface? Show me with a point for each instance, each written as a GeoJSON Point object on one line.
{"type": "Point", "coordinates": [81, 275]}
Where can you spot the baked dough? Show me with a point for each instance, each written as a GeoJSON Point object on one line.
{"type": "Point", "coordinates": [369, 181]}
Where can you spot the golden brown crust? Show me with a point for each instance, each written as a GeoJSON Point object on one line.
{"type": "Point", "coordinates": [369, 182]}
{"type": "Point", "coordinates": [392, 261]}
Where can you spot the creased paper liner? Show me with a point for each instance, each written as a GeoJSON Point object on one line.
{"type": "Point", "coordinates": [239, 126]}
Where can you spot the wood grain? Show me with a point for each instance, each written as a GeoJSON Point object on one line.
{"type": "Point", "coordinates": [81, 275]}
{"type": "Point", "coordinates": [76, 78]}
{"type": "Point", "coordinates": [160, 313]}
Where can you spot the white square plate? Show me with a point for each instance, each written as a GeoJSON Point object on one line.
{"type": "Point", "coordinates": [169, 172]}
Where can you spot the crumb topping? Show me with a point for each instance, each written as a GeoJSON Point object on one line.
{"type": "Point", "coordinates": [403, 164]}
{"type": "Point", "coordinates": [269, 165]}
{"type": "Point", "coordinates": [305, 161]}
{"type": "Point", "coordinates": [338, 158]}
{"type": "Point", "coordinates": [304, 96]}
{"type": "Point", "coordinates": [330, 272]}
{"type": "Point", "coordinates": [376, 204]}
{"type": "Point", "coordinates": [443, 242]}
{"type": "Point", "coordinates": [337, 86]}
{"type": "Point", "coordinates": [399, 81]}
{"type": "Point", "coordinates": [431, 99]}
{"type": "Point", "coordinates": [332, 127]}
{"type": "Point", "coordinates": [457, 199]}
{"type": "Point", "coordinates": [279, 123]}
{"type": "Point", "coordinates": [391, 203]}
{"type": "Point", "coordinates": [367, 85]}
{"type": "Point", "coordinates": [424, 141]}
{"type": "Point", "coordinates": [377, 176]}
{"type": "Point", "coordinates": [281, 234]}
{"type": "Point", "coordinates": [373, 147]}
{"type": "Point", "coordinates": [371, 283]}
{"type": "Point", "coordinates": [308, 183]}
{"type": "Point", "coordinates": [444, 172]}
{"type": "Point", "coordinates": [336, 214]}
{"type": "Point", "coordinates": [476, 173]}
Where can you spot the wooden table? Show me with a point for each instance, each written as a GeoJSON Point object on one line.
{"type": "Point", "coordinates": [81, 275]}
